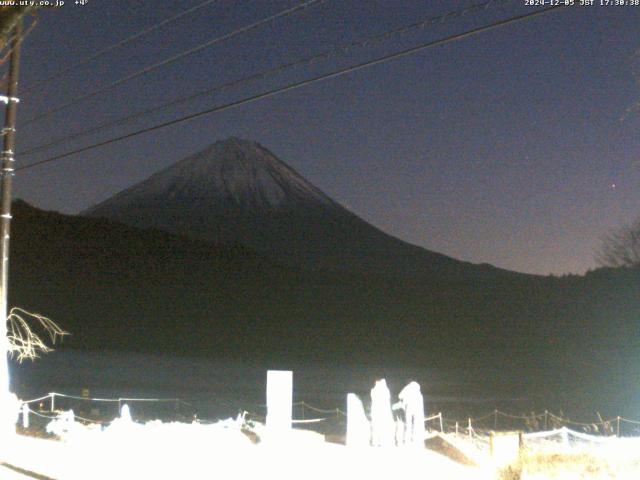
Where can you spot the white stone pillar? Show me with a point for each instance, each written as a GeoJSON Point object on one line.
{"type": "Point", "coordinates": [382, 424]}
{"type": "Point", "coordinates": [279, 403]}
{"type": "Point", "coordinates": [358, 426]}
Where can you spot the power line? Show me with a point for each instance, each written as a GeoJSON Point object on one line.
{"type": "Point", "coordinates": [175, 58]}
{"type": "Point", "coordinates": [118, 44]}
{"type": "Point", "coordinates": [273, 71]}
{"type": "Point", "coordinates": [296, 85]}
{"type": "Point", "coordinates": [15, 41]}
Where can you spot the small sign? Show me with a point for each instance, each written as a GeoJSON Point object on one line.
{"type": "Point", "coordinates": [505, 446]}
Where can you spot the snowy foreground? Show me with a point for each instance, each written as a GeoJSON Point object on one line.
{"type": "Point", "coordinates": [174, 450]}
{"type": "Point", "coordinates": [241, 448]}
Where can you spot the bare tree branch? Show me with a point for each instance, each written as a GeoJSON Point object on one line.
{"type": "Point", "coordinates": [23, 341]}
{"type": "Point", "coordinates": [621, 248]}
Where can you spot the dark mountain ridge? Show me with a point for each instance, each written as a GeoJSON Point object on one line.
{"type": "Point", "coordinates": [97, 277]}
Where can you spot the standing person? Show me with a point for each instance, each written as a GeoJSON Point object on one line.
{"type": "Point", "coordinates": [399, 418]}
{"type": "Point", "coordinates": [413, 404]}
{"type": "Point", "coordinates": [382, 425]}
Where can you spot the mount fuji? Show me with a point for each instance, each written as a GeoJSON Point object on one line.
{"type": "Point", "coordinates": [238, 192]}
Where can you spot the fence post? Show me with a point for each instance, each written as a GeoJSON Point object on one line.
{"type": "Point", "coordinates": [25, 416]}
{"type": "Point", "coordinates": [456, 427]}
{"type": "Point", "coordinates": [53, 402]}
{"type": "Point", "coordinates": [441, 427]}
{"type": "Point", "coordinates": [546, 414]}
{"type": "Point", "coordinates": [469, 428]}
{"type": "Point", "coordinates": [618, 426]}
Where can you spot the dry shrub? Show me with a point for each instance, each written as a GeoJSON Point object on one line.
{"type": "Point", "coordinates": [570, 465]}
{"type": "Point", "coordinates": [510, 472]}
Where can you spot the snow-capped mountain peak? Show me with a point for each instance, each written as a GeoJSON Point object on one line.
{"type": "Point", "coordinates": [232, 173]}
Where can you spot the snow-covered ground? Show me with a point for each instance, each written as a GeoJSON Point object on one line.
{"type": "Point", "coordinates": [173, 451]}
{"type": "Point", "coordinates": [236, 448]}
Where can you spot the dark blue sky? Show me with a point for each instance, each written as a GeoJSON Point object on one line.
{"type": "Point", "coordinates": [502, 148]}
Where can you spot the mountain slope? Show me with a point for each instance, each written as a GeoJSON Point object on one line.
{"type": "Point", "coordinates": [237, 192]}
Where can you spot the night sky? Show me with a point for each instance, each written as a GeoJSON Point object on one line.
{"type": "Point", "coordinates": [510, 147]}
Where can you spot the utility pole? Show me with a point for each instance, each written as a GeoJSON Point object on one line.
{"type": "Point", "coordinates": [6, 176]}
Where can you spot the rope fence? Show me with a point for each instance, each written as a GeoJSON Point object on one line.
{"type": "Point", "coordinates": [480, 425]}
{"type": "Point", "coordinates": [53, 407]}
{"type": "Point", "coordinates": [542, 422]}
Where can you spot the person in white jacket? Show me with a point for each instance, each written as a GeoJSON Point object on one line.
{"type": "Point", "coordinates": [412, 402]}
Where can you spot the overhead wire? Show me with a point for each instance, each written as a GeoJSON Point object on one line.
{"type": "Point", "coordinates": [24, 35]}
{"type": "Point", "coordinates": [342, 49]}
{"type": "Point", "coordinates": [163, 63]}
{"type": "Point", "coordinates": [297, 85]}
{"type": "Point", "coordinates": [119, 44]}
